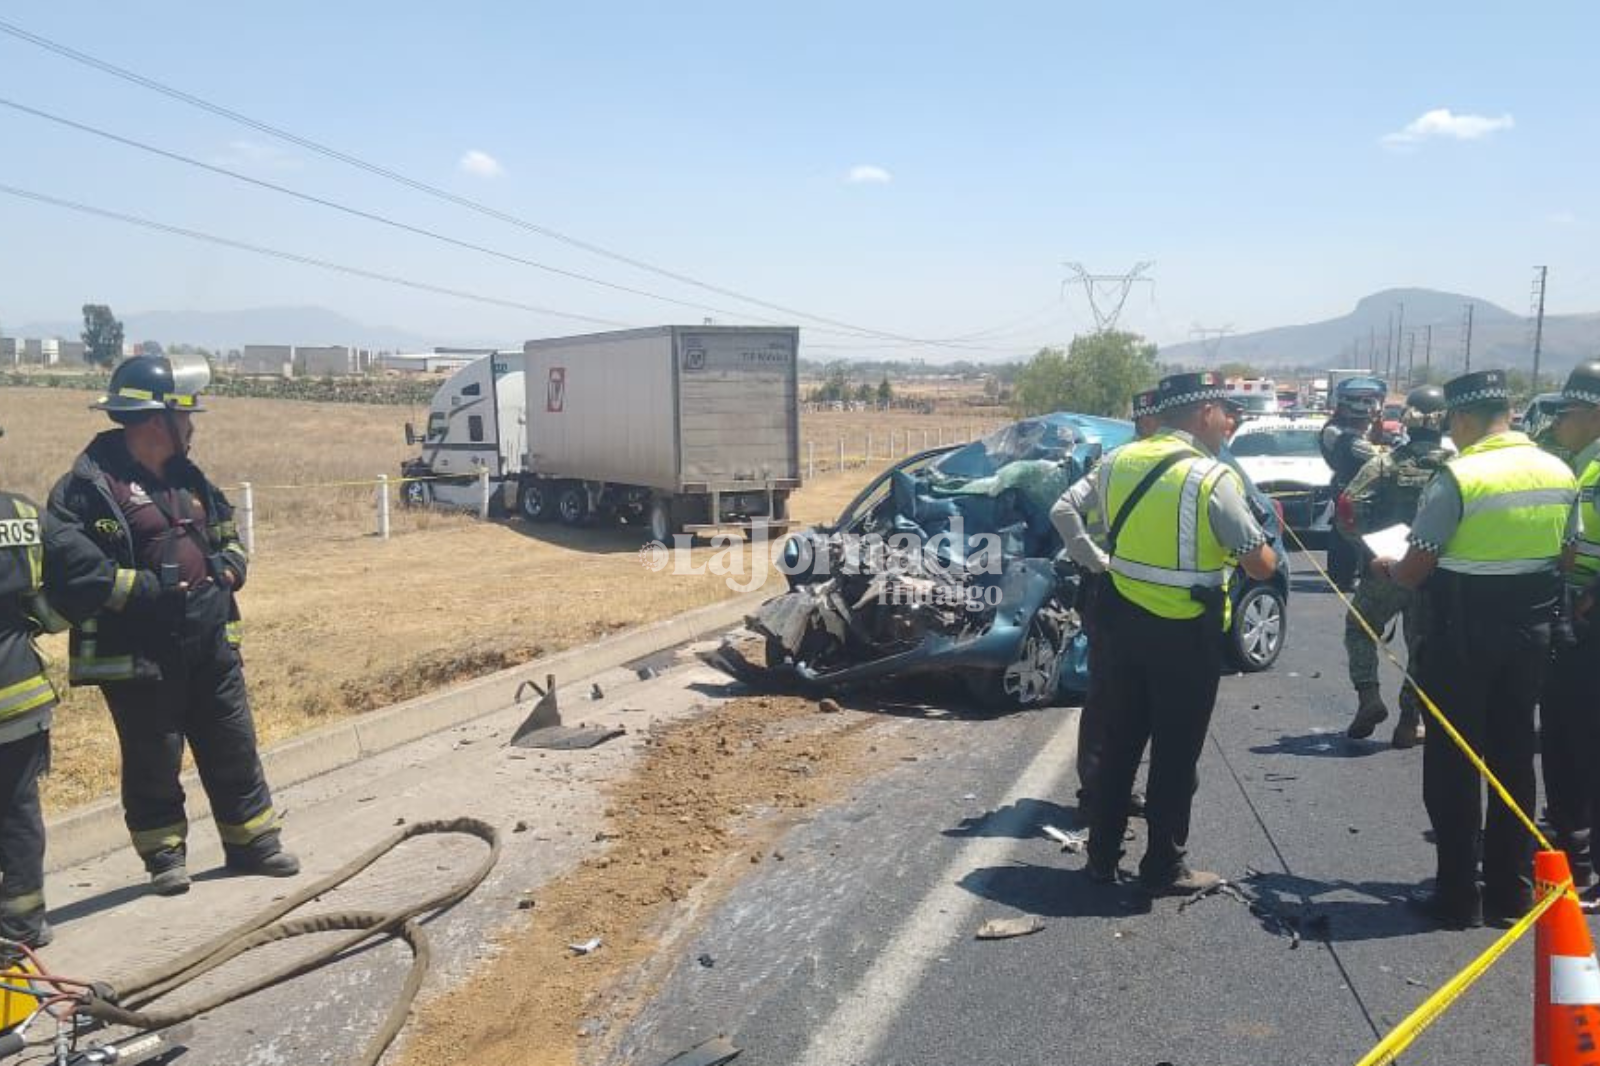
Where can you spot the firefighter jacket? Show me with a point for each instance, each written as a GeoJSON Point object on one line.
{"type": "Point", "coordinates": [49, 575]}
{"type": "Point", "coordinates": [141, 621]}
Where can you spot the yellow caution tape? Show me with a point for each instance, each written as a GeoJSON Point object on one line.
{"type": "Point", "coordinates": [1401, 1036]}
{"type": "Point", "coordinates": [358, 484]}
{"type": "Point", "coordinates": [1427, 701]}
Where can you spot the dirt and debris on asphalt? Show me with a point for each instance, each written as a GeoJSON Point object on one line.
{"type": "Point", "coordinates": [711, 796]}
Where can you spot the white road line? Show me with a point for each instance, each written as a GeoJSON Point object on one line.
{"type": "Point", "coordinates": [851, 1036]}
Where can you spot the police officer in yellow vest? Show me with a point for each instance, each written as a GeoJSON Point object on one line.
{"type": "Point", "coordinates": [1485, 547]}
{"type": "Point", "coordinates": [1075, 514]}
{"type": "Point", "coordinates": [1569, 713]}
{"type": "Point", "coordinates": [47, 571]}
{"type": "Point", "coordinates": [1178, 521]}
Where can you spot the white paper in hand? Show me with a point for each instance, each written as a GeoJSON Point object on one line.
{"type": "Point", "coordinates": [1389, 543]}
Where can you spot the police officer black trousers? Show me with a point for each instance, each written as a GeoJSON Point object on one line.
{"type": "Point", "coordinates": [1484, 668]}
{"type": "Point", "coordinates": [22, 762]}
{"type": "Point", "coordinates": [1168, 708]}
{"type": "Point", "coordinates": [1092, 719]}
{"type": "Point", "coordinates": [200, 699]}
{"type": "Point", "coordinates": [1569, 721]}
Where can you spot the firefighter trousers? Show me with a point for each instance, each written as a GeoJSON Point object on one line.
{"type": "Point", "coordinates": [1569, 733]}
{"type": "Point", "coordinates": [22, 763]}
{"type": "Point", "coordinates": [200, 700]}
{"type": "Point", "coordinates": [1161, 691]}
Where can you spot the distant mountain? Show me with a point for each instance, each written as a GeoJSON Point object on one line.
{"type": "Point", "coordinates": [1499, 337]}
{"type": "Point", "coordinates": [261, 325]}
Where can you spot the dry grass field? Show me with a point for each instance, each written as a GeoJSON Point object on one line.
{"type": "Point", "coordinates": [338, 622]}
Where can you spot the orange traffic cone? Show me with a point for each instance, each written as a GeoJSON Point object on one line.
{"type": "Point", "coordinates": [1566, 979]}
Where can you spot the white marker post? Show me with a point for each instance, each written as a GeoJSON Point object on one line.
{"type": "Point", "coordinates": [247, 516]}
{"type": "Point", "coordinates": [383, 506]}
{"type": "Point", "coordinates": [483, 494]}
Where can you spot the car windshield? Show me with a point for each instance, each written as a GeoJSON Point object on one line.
{"type": "Point", "coordinates": [1294, 443]}
{"type": "Point", "coordinates": [1259, 403]}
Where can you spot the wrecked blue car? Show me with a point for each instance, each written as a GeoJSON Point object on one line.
{"type": "Point", "coordinates": [947, 564]}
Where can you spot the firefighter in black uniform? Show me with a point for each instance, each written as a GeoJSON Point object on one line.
{"type": "Point", "coordinates": [1346, 448]}
{"type": "Point", "coordinates": [47, 570]}
{"type": "Point", "coordinates": [170, 671]}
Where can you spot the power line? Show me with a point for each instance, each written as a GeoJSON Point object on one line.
{"type": "Point", "coordinates": [294, 257]}
{"type": "Point", "coordinates": [432, 190]}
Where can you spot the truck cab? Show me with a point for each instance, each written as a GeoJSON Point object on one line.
{"type": "Point", "coordinates": [476, 421]}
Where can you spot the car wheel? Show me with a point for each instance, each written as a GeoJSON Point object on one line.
{"type": "Point", "coordinates": [1031, 679]}
{"type": "Point", "coordinates": [1260, 624]}
{"type": "Point", "coordinates": [572, 504]}
{"type": "Point", "coordinates": [534, 502]}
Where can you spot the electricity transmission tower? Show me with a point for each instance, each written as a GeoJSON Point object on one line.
{"type": "Point", "coordinates": [1107, 293]}
{"type": "Point", "coordinates": [1210, 338]}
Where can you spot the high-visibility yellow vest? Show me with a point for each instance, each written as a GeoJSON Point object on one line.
{"type": "Point", "coordinates": [1166, 546]}
{"type": "Point", "coordinates": [1586, 564]}
{"type": "Point", "coordinates": [1515, 501]}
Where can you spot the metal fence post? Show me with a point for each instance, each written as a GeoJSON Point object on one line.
{"type": "Point", "coordinates": [383, 506]}
{"type": "Point", "coordinates": [841, 453]}
{"type": "Point", "coordinates": [483, 494]}
{"type": "Point", "coordinates": [941, 436]}
{"type": "Point", "coordinates": [247, 516]}
{"type": "Point", "coordinates": [869, 448]}
{"type": "Point", "coordinates": [811, 460]}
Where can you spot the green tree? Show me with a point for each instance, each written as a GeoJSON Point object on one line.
{"type": "Point", "coordinates": [1238, 370]}
{"type": "Point", "coordinates": [863, 393]}
{"type": "Point", "coordinates": [102, 335]}
{"type": "Point", "coordinates": [1097, 375]}
{"type": "Point", "coordinates": [885, 392]}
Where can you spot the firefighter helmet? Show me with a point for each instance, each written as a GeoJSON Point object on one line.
{"type": "Point", "coordinates": [156, 383]}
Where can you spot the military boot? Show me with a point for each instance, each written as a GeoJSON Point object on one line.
{"type": "Point", "coordinates": [1369, 712]}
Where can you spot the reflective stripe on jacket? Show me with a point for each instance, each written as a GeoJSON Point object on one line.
{"type": "Point", "coordinates": [1586, 564]}
{"type": "Point", "coordinates": [1166, 546]}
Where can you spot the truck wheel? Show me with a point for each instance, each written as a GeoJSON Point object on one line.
{"type": "Point", "coordinates": [534, 501]}
{"type": "Point", "coordinates": [572, 504]}
{"type": "Point", "coordinates": [662, 525]}
{"type": "Point", "coordinates": [416, 494]}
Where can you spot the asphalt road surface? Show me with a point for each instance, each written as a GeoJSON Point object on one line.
{"type": "Point", "coordinates": [859, 947]}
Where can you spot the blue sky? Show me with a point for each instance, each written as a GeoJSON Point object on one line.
{"type": "Point", "coordinates": [1256, 153]}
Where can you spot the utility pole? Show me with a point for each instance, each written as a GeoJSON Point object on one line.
{"type": "Point", "coordinates": [1468, 369]}
{"type": "Point", "coordinates": [1400, 325]}
{"type": "Point", "coordinates": [1411, 358]}
{"type": "Point", "coordinates": [1427, 355]}
{"type": "Point", "coordinates": [1113, 288]}
{"type": "Point", "coordinates": [1540, 274]}
{"type": "Point", "coordinates": [1388, 346]}
{"type": "Point", "coordinates": [1372, 348]}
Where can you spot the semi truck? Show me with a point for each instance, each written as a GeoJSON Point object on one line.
{"type": "Point", "coordinates": [681, 429]}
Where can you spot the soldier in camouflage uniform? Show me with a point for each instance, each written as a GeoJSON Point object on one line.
{"type": "Point", "coordinates": [1383, 493]}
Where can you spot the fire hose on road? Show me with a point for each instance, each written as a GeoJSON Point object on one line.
{"type": "Point", "coordinates": [129, 1002]}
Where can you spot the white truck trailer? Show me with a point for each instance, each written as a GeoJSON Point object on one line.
{"type": "Point", "coordinates": [684, 429]}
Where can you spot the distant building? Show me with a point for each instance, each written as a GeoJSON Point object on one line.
{"type": "Point", "coordinates": [267, 360]}
{"type": "Point", "coordinates": [33, 351]}
{"type": "Point", "coordinates": [435, 362]}
{"type": "Point", "coordinates": [9, 350]}
{"type": "Point", "coordinates": [71, 353]}
{"type": "Point", "coordinates": [334, 360]}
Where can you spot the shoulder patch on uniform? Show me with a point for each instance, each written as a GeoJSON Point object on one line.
{"type": "Point", "coordinates": [19, 533]}
{"type": "Point", "coordinates": [107, 527]}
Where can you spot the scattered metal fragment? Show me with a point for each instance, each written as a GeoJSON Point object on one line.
{"type": "Point", "coordinates": [588, 947]}
{"type": "Point", "coordinates": [520, 827]}
{"type": "Point", "coordinates": [645, 673]}
{"type": "Point", "coordinates": [712, 1053]}
{"type": "Point", "coordinates": [543, 729]}
{"type": "Point", "coordinates": [1006, 928]}
{"type": "Point", "coordinates": [1070, 842]}
{"type": "Point", "coordinates": [526, 903]}
{"type": "Point", "coordinates": [707, 961]}
{"type": "Point", "coordinates": [596, 693]}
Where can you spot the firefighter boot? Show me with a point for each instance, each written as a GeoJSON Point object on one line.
{"type": "Point", "coordinates": [1369, 712]}
{"type": "Point", "coordinates": [262, 857]}
{"type": "Point", "coordinates": [169, 871]}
